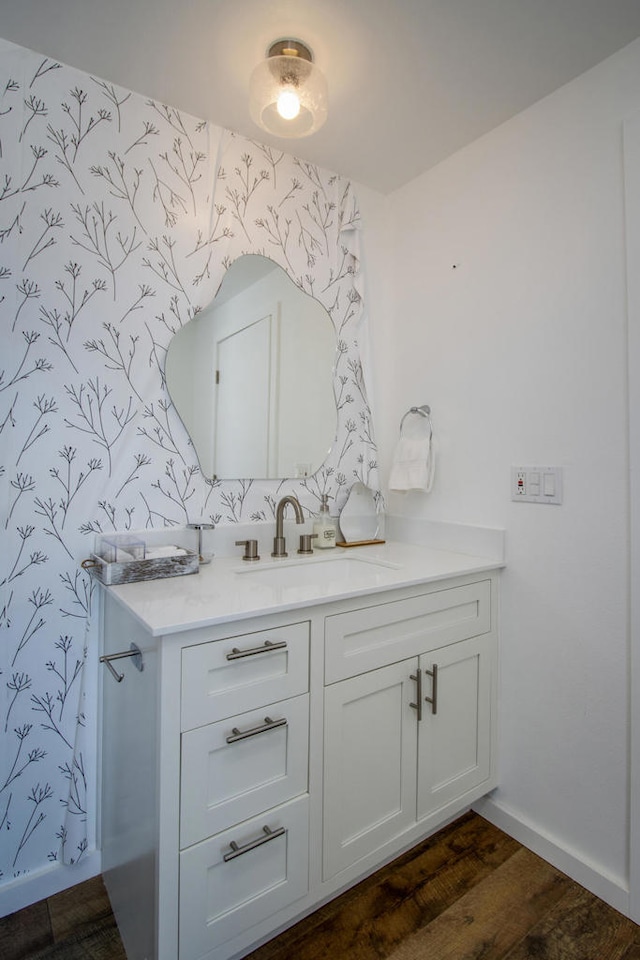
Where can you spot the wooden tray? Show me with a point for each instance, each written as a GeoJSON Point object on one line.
{"type": "Point", "coordinates": [357, 543]}
{"type": "Point", "coordinates": [131, 571]}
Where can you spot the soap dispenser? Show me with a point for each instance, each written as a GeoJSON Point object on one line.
{"type": "Point", "coordinates": [324, 526]}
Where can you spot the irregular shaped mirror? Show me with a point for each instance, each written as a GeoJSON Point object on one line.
{"type": "Point", "coordinates": [252, 376]}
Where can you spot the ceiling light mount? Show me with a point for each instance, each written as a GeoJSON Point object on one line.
{"type": "Point", "coordinates": [290, 48]}
{"type": "Point", "coordinates": [287, 91]}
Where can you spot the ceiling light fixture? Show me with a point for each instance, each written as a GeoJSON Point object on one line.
{"type": "Point", "coordinates": [288, 92]}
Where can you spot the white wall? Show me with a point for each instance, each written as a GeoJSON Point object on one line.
{"type": "Point", "coordinates": [632, 198]}
{"type": "Point", "coordinates": [508, 316]}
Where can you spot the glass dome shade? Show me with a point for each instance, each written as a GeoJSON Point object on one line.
{"type": "Point", "coordinates": [280, 75]}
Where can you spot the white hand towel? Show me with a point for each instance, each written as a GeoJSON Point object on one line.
{"type": "Point", "coordinates": [413, 465]}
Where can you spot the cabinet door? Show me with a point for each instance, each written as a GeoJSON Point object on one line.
{"type": "Point", "coordinates": [370, 763]}
{"type": "Point", "coordinates": [454, 741]}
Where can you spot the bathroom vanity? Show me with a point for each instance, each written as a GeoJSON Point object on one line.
{"type": "Point", "coordinates": [295, 725]}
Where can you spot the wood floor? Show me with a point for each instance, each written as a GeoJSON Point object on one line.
{"type": "Point", "coordinates": [76, 924]}
{"type": "Point", "coordinates": [468, 893]}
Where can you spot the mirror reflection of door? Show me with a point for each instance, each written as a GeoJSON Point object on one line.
{"type": "Point", "coordinates": [242, 431]}
{"type": "Point", "coordinates": [273, 414]}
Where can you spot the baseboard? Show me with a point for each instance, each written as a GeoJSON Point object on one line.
{"type": "Point", "coordinates": [28, 889]}
{"type": "Point", "coordinates": [611, 889]}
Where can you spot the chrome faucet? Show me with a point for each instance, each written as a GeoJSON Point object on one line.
{"type": "Point", "coordinates": [279, 545]}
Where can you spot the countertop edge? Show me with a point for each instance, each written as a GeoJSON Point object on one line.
{"type": "Point", "coordinates": [138, 597]}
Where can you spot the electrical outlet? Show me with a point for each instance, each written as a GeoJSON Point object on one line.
{"type": "Point", "coordinates": [541, 484]}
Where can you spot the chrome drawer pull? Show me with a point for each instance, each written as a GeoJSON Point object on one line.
{"type": "Point", "coordinates": [267, 647]}
{"type": "Point", "coordinates": [237, 851]}
{"type": "Point", "coordinates": [433, 699]}
{"type": "Point", "coordinates": [417, 706]}
{"type": "Point", "coordinates": [268, 724]}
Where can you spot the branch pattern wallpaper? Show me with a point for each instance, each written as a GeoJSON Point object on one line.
{"type": "Point", "coordinates": [118, 219]}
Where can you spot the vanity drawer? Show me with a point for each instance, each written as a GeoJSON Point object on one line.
{"type": "Point", "coordinates": [224, 678]}
{"type": "Point", "coordinates": [220, 899]}
{"type": "Point", "coordinates": [372, 637]}
{"type": "Point", "coordinates": [233, 769]}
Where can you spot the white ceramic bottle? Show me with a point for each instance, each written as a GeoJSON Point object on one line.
{"type": "Point", "coordinates": [324, 526]}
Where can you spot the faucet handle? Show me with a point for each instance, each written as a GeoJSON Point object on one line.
{"type": "Point", "coordinates": [250, 549]}
{"type": "Point", "coordinates": [305, 542]}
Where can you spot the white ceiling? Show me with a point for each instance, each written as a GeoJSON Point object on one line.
{"type": "Point", "coordinates": [410, 81]}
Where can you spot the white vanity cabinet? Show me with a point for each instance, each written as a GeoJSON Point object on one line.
{"type": "Point", "coordinates": [256, 768]}
{"type": "Point", "coordinates": [205, 784]}
{"type": "Point", "coordinates": [407, 739]}
{"type": "Point", "coordinates": [244, 830]}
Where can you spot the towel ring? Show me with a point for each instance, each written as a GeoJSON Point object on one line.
{"type": "Point", "coordinates": [422, 411]}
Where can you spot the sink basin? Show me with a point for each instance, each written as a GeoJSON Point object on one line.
{"type": "Point", "coordinates": [341, 572]}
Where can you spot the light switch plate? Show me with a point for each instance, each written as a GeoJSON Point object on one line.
{"type": "Point", "coordinates": [539, 484]}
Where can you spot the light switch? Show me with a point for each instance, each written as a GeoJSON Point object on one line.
{"type": "Point", "coordinates": [536, 484]}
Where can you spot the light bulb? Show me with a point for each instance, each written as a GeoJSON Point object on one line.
{"type": "Point", "coordinates": [288, 104]}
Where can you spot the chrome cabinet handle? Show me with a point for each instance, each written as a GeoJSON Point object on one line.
{"type": "Point", "coordinates": [237, 851]}
{"type": "Point", "coordinates": [267, 647]}
{"type": "Point", "coordinates": [418, 705]}
{"type": "Point", "coordinates": [433, 699]}
{"type": "Point", "coordinates": [268, 724]}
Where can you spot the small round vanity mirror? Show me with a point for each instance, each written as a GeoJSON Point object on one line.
{"type": "Point", "coordinates": [359, 519]}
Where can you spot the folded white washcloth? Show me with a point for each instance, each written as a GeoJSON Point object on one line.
{"type": "Point", "coordinates": [156, 553]}
{"type": "Point", "coordinates": [123, 556]}
{"type": "Point", "coordinates": [413, 465]}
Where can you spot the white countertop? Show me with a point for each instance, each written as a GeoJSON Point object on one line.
{"type": "Point", "coordinates": [229, 589]}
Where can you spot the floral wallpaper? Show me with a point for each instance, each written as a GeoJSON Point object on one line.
{"type": "Point", "coordinates": [118, 219]}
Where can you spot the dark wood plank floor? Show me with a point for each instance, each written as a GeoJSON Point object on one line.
{"type": "Point", "coordinates": [468, 893]}
{"type": "Point", "coordinates": [76, 924]}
